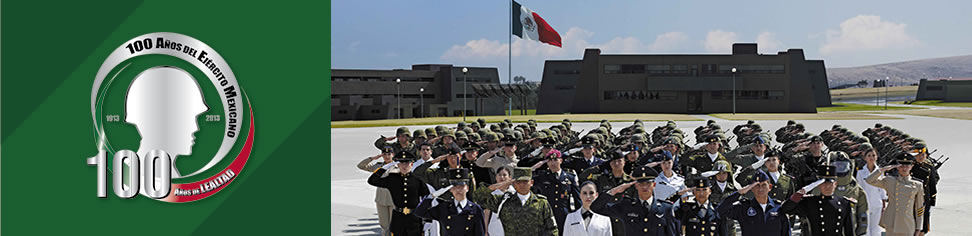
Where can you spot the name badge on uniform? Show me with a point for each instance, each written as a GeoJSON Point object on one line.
{"type": "Point", "coordinates": [575, 223]}
{"type": "Point", "coordinates": [751, 212]}
{"type": "Point", "coordinates": [632, 214]}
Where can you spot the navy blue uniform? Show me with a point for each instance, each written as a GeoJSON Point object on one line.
{"type": "Point", "coordinates": [639, 219]}
{"type": "Point", "coordinates": [578, 164]}
{"type": "Point", "coordinates": [828, 215]}
{"type": "Point", "coordinates": [752, 219]}
{"type": "Point", "coordinates": [561, 191]}
{"type": "Point", "coordinates": [699, 219]}
{"type": "Point", "coordinates": [469, 221]}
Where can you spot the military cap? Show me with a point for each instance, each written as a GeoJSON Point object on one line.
{"type": "Point", "coordinates": [612, 155]}
{"type": "Point", "coordinates": [507, 132]}
{"type": "Point", "coordinates": [553, 153]}
{"type": "Point", "coordinates": [588, 140]}
{"type": "Point", "coordinates": [518, 135]}
{"type": "Point", "coordinates": [522, 173]}
{"type": "Point", "coordinates": [468, 146]}
{"type": "Point", "coordinates": [666, 156]}
{"type": "Point", "coordinates": [712, 139]}
{"type": "Point", "coordinates": [835, 127]}
{"type": "Point", "coordinates": [827, 172]}
{"type": "Point", "coordinates": [503, 125]}
{"type": "Point", "coordinates": [548, 142]}
{"type": "Point", "coordinates": [760, 176]}
{"type": "Point", "coordinates": [508, 121]}
{"type": "Point", "coordinates": [790, 122]}
{"type": "Point", "coordinates": [538, 135]}
{"type": "Point", "coordinates": [644, 174]}
{"type": "Point", "coordinates": [462, 124]}
{"type": "Point", "coordinates": [494, 128]}
{"type": "Point", "coordinates": [440, 128]}
{"type": "Point", "coordinates": [491, 137]}
{"type": "Point", "coordinates": [447, 133]}
{"type": "Point", "coordinates": [710, 122]}
{"type": "Point", "coordinates": [430, 132]}
{"type": "Point", "coordinates": [499, 135]}
{"type": "Point", "coordinates": [474, 124]}
{"type": "Point", "coordinates": [816, 138]}
{"type": "Point", "coordinates": [903, 158]}
{"type": "Point", "coordinates": [481, 121]}
{"type": "Point", "coordinates": [865, 147]}
{"type": "Point", "coordinates": [387, 149]}
{"type": "Point", "coordinates": [458, 176]}
{"type": "Point", "coordinates": [670, 140]}
{"type": "Point", "coordinates": [756, 127]}
{"type": "Point", "coordinates": [474, 137]}
{"type": "Point", "coordinates": [638, 138]}
{"type": "Point", "coordinates": [799, 126]}
{"type": "Point", "coordinates": [699, 183]}
{"type": "Point", "coordinates": [419, 133]}
{"type": "Point", "coordinates": [637, 121]}
{"type": "Point", "coordinates": [715, 126]}
{"type": "Point", "coordinates": [878, 125]}
{"type": "Point", "coordinates": [461, 135]}
{"type": "Point", "coordinates": [749, 122]}
{"type": "Point", "coordinates": [772, 153]}
{"type": "Point", "coordinates": [508, 141]}
{"type": "Point", "coordinates": [404, 156]}
{"type": "Point", "coordinates": [639, 130]}
{"type": "Point", "coordinates": [468, 130]}
{"type": "Point", "coordinates": [402, 130]}
{"type": "Point", "coordinates": [670, 124]}
{"type": "Point", "coordinates": [919, 148]}
{"type": "Point", "coordinates": [722, 166]}
{"type": "Point", "coordinates": [760, 140]}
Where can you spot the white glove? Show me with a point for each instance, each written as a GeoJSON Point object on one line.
{"type": "Point", "coordinates": [699, 145]}
{"type": "Point", "coordinates": [441, 191]}
{"type": "Point", "coordinates": [758, 163]}
{"type": "Point", "coordinates": [572, 151]}
{"type": "Point", "coordinates": [389, 165]}
{"type": "Point", "coordinates": [536, 152]}
{"type": "Point", "coordinates": [812, 185]}
{"type": "Point", "coordinates": [710, 173]}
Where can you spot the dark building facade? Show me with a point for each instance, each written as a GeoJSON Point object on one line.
{"type": "Point", "coordinates": [949, 90]}
{"type": "Point", "coordinates": [373, 94]}
{"type": "Point", "coordinates": [689, 83]}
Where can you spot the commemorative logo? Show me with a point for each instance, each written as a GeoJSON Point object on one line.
{"type": "Point", "coordinates": [171, 122]}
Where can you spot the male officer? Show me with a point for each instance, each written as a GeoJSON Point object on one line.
{"type": "Point", "coordinates": [699, 217]}
{"type": "Point", "coordinates": [826, 213]}
{"type": "Point", "coordinates": [403, 141]}
{"type": "Point", "coordinates": [406, 191]}
{"type": "Point", "coordinates": [782, 183]}
{"type": "Point", "coordinates": [607, 176]}
{"type": "Point", "coordinates": [559, 186]}
{"type": "Point", "coordinates": [459, 216]}
{"type": "Point", "coordinates": [760, 215]}
{"type": "Point", "coordinates": [643, 214]}
{"type": "Point", "coordinates": [522, 212]}
{"type": "Point", "coordinates": [927, 172]}
{"type": "Point", "coordinates": [704, 162]}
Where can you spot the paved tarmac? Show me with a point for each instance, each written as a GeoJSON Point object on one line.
{"type": "Point", "coordinates": [352, 199]}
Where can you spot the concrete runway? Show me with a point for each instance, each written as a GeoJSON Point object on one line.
{"type": "Point", "coordinates": [353, 207]}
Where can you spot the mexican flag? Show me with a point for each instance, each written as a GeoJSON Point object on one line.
{"type": "Point", "coordinates": [528, 25]}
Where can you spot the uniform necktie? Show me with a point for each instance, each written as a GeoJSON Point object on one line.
{"type": "Point", "coordinates": [587, 214]}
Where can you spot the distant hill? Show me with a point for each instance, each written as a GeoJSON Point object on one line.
{"type": "Point", "coordinates": [910, 71]}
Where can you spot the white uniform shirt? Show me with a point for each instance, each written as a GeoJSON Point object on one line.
{"type": "Point", "coordinates": [874, 195]}
{"type": "Point", "coordinates": [574, 224]}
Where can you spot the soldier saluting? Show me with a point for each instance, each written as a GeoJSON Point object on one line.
{"type": "Point", "coordinates": [699, 217]}
{"type": "Point", "coordinates": [827, 214]}
{"type": "Point", "coordinates": [406, 190]}
{"type": "Point", "coordinates": [642, 215]}
{"type": "Point", "coordinates": [906, 206]}
{"type": "Point", "coordinates": [522, 212]}
{"type": "Point", "coordinates": [760, 215]}
{"type": "Point", "coordinates": [459, 216]}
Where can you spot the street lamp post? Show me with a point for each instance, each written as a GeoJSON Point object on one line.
{"type": "Point", "coordinates": [464, 95]}
{"type": "Point", "coordinates": [734, 90]}
{"type": "Point", "coordinates": [886, 79]}
{"type": "Point", "coordinates": [877, 95]}
{"type": "Point", "coordinates": [398, 81]}
{"type": "Point", "coordinates": [421, 101]}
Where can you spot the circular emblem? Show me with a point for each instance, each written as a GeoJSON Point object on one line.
{"type": "Point", "coordinates": [528, 24]}
{"type": "Point", "coordinates": [172, 95]}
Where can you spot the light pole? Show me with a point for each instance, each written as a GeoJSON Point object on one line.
{"type": "Point", "coordinates": [398, 81]}
{"type": "Point", "coordinates": [886, 79]}
{"type": "Point", "coordinates": [734, 90]}
{"type": "Point", "coordinates": [464, 95]}
{"type": "Point", "coordinates": [421, 102]}
{"type": "Point", "coordinates": [877, 95]}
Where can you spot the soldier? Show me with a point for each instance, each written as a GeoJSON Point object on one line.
{"type": "Point", "coordinates": [418, 137]}
{"type": "Point", "coordinates": [826, 213]}
{"type": "Point", "coordinates": [927, 172]}
{"type": "Point", "coordinates": [906, 206]}
{"type": "Point", "coordinates": [522, 212]}
{"type": "Point", "coordinates": [758, 148]}
{"type": "Point", "coordinates": [704, 162]}
{"type": "Point", "coordinates": [876, 197]}
{"type": "Point", "coordinates": [447, 142]}
{"type": "Point", "coordinates": [439, 176]}
{"type": "Point", "coordinates": [403, 141]}
{"type": "Point", "coordinates": [668, 182]}
{"type": "Point", "coordinates": [758, 216]}
{"type": "Point", "coordinates": [558, 185]}
{"type": "Point", "coordinates": [469, 153]}
{"type": "Point", "coordinates": [383, 200]}
{"type": "Point", "coordinates": [642, 215]}
{"type": "Point", "coordinates": [724, 185]}
{"type": "Point", "coordinates": [607, 176]}
{"type": "Point", "coordinates": [801, 160]}
{"type": "Point", "coordinates": [699, 217]}
{"type": "Point", "coordinates": [583, 221]}
{"type": "Point", "coordinates": [499, 157]}
{"type": "Point", "coordinates": [782, 183]}
{"type": "Point", "coordinates": [847, 187]}
{"type": "Point", "coordinates": [406, 191]}
{"type": "Point", "coordinates": [587, 158]}
{"type": "Point", "coordinates": [493, 224]}
{"type": "Point", "coordinates": [459, 215]}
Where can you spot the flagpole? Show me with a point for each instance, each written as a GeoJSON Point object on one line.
{"type": "Point", "coordinates": [509, 67]}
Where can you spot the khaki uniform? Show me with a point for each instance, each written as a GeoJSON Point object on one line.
{"type": "Point", "coordinates": [906, 205]}
{"type": "Point", "coordinates": [383, 199]}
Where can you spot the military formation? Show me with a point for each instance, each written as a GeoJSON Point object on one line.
{"type": "Point", "coordinates": [502, 178]}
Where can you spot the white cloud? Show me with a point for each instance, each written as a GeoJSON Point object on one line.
{"type": "Point", "coordinates": [668, 42]}
{"type": "Point", "coordinates": [867, 32]}
{"type": "Point", "coordinates": [354, 46]}
{"type": "Point", "coordinates": [718, 41]}
{"type": "Point", "coordinates": [767, 42]}
{"type": "Point", "coordinates": [574, 43]}
{"type": "Point", "coordinates": [476, 49]}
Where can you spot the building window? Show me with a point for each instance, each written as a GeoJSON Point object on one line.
{"type": "Point", "coordinates": [566, 72]}
{"type": "Point", "coordinates": [612, 69]}
{"type": "Point", "coordinates": [640, 95]}
{"type": "Point", "coordinates": [468, 95]}
{"type": "Point", "coordinates": [748, 95]}
{"type": "Point", "coordinates": [565, 87]}
{"type": "Point", "coordinates": [934, 88]}
{"type": "Point", "coordinates": [342, 112]}
{"type": "Point", "coordinates": [375, 111]}
{"type": "Point", "coordinates": [753, 69]}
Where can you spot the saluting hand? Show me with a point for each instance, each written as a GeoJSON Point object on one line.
{"type": "Point", "coordinates": [653, 164]}
{"type": "Point", "coordinates": [886, 168]}
{"type": "Point", "coordinates": [620, 188]}
{"type": "Point", "coordinates": [746, 189]}
{"type": "Point", "coordinates": [539, 163]}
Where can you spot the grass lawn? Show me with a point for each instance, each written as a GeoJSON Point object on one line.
{"type": "Point", "coordinates": [530, 112]}
{"type": "Point", "coordinates": [803, 116]}
{"type": "Point", "coordinates": [858, 93]}
{"type": "Point", "coordinates": [861, 107]}
{"type": "Point", "coordinates": [516, 119]}
{"type": "Point", "coordinates": [939, 103]}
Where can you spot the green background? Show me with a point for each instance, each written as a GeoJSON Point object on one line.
{"type": "Point", "coordinates": [51, 51]}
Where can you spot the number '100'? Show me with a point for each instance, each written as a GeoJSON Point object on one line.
{"type": "Point", "coordinates": [145, 176]}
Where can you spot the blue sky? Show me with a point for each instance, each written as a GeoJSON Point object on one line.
{"type": "Point", "coordinates": [396, 34]}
